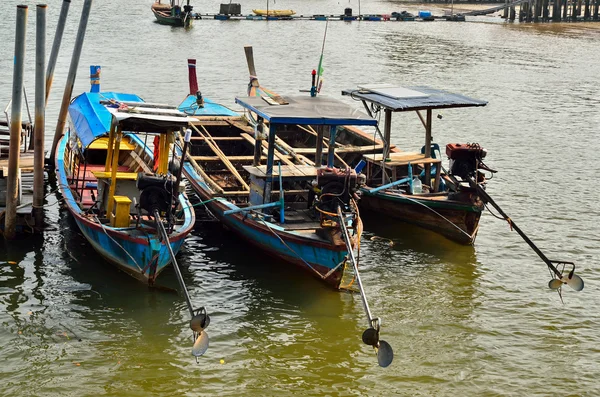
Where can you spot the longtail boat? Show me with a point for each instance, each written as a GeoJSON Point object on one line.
{"type": "Point", "coordinates": [121, 194]}
{"type": "Point", "coordinates": [411, 186]}
{"type": "Point", "coordinates": [173, 14]}
{"type": "Point", "coordinates": [282, 206]}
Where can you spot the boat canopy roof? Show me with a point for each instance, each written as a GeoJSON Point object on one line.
{"type": "Point", "coordinates": [190, 107]}
{"type": "Point", "coordinates": [90, 118]}
{"type": "Point", "coordinates": [151, 120]}
{"type": "Point", "coordinates": [402, 99]}
{"type": "Point", "coordinates": [92, 114]}
{"type": "Point", "coordinates": [303, 110]}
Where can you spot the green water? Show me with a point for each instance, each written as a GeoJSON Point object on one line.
{"type": "Point", "coordinates": [462, 320]}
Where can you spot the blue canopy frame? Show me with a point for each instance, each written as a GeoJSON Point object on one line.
{"type": "Point", "coordinates": [403, 99]}
{"type": "Point", "coordinates": [302, 110]}
{"type": "Point", "coordinates": [90, 118]}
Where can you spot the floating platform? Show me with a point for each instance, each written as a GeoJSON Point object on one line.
{"type": "Point", "coordinates": [317, 17]}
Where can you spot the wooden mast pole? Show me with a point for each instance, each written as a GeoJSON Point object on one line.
{"type": "Point", "coordinates": [12, 183]}
{"type": "Point", "coordinates": [40, 119]}
{"type": "Point", "coordinates": [62, 117]}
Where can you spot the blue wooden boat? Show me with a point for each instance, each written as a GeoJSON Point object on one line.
{"type": "Point", "coordinates": [275, 201]}
{"type": "Point", "coordinates": [114, 185]}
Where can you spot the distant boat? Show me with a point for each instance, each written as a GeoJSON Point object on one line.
{"type": "Point", "coordinates": [275, 13]}
{"type": "Point", "coordinates": [173, 14]}
{"type": "Point", "coordinates": [115, 188]}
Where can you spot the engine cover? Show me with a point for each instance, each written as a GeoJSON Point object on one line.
{"type": "Point", "coordinates": [329, 175]}
{"type": "Point", "coordinates": [465, 150]}
{"type": "Point", "coordinates": [464, 158]}
{"type": "Point", "coordinates": [337, 185]}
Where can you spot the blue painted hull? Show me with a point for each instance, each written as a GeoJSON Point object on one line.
{"type": "Point", "coordinates": [136, 251]}
{"type": "Point", "coordinates": [323, 258]}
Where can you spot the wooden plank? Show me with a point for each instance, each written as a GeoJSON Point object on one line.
{"type": "Point", "coordinates": [218, 138]}
{"type": "Point", "coordinates": [217, 150]}
{"type": "Point", "coordinates": [343, 149]}
{"type": "Point", "coordinates": [199, 169]}
{"type": "Point", "coordinates": [132, 176]}
{"type": "Point", "coordinates": [231, 158]}
{"type": "Point", "coordinates": [233, 193]}
{"type": "Point", "coordinates": [287, 171]}
{"type": "Point", "coordinates": [141, 162]}
{"type": "Point", "coordinates": [265, 146]}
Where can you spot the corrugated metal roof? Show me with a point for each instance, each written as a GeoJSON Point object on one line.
{"type": "Point", "coordinates": [402, 99]}
{"type": "Point", "coordinates": [303, 110]}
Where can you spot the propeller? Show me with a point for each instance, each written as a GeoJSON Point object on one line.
{"type": "Point", "coordinates": [570, 279]}
{"type": "Point", "coordinates": [198, 324]}
{"type": "Point", "coordinates": [385, 353]}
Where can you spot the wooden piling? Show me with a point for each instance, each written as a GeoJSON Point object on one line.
{"type": "Point", "coordinates": [62, 116]}
{"type": "Point", "coordinates": [565, 10]}
{"type": "Point", "coordinates": [60, 28]}
{"type": "Point", "coordinates": [587, 13]}
{"type": "Point", "coordinates": [40, 119]}
{"type": "Point", "coordinates": [12, 183]}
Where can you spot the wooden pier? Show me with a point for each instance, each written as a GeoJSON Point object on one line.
{"type": "Point", "coordinates": [25, 220]}
{"type": "Point", "coordinates": [523, 10]}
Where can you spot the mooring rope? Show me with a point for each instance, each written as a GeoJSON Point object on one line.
{"type": "Point", "coordinates": [115, 241]}
{"type": "Point", "coordinates": [323, 277]}
{"type": "Point", "coordinates": [440, 215]}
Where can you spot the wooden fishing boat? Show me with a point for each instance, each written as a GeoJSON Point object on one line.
{"type": "Point", "coordinates": [411, 186]}
{"type": "Point", "coordinates": [117, 190]}
{"type": "Point", "coordinates": [173, 14]}
{"type": "Point", "coordinates": [274, 13]}
{"type": "Point", "coordinates": [282, 206]}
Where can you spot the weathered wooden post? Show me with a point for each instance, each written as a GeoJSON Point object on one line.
{"type": "Point", "coordinates": [12, 183]}
{"type": "Point", "coordinates": [60, 28]}
{"type": "Point", "coordinates": [565, 10]}
{"type": "Point", "coordinates": [505, 13]}
{"type": "Point", "coordinates": [586, 13]}
{"type": "Point", "coordinates": [64, 107]}
{"type": "Point", "coordinates": [596, 9]}
{"type": "Point", "coordinates": [40, 118]}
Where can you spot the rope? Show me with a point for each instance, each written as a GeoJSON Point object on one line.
{"type": "Point", "coordinates": [440, 215]}
{"type": "Point", "coordinates": [115, 241]}
{"type": "Point", "coordinates": [323, 277]}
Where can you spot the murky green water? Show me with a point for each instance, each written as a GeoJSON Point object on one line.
{"type": "Point", "coordinates": [462, 320]}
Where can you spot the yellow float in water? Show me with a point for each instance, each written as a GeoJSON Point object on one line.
{"type": "Point", "coordinates": [275, 13]}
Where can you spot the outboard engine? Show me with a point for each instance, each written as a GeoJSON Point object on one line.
{"type": "Point", "coordinates": [155, 192]}
{"type": "Point", "coordinates": [337, 187]}
{"type": "Point", "coordinates": [466, 159]}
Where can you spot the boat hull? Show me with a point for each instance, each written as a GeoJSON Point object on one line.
{"type": "Point", "coordinates": [137, 251]}
{"type": "Point", "coordinates": [133, 255]}
{"type": "Point", "coordinates": [322, 258]}
{"type": "Point", "coordinates": [164, 18]}
{"type": "Point", "coordinates": [458, 221]}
